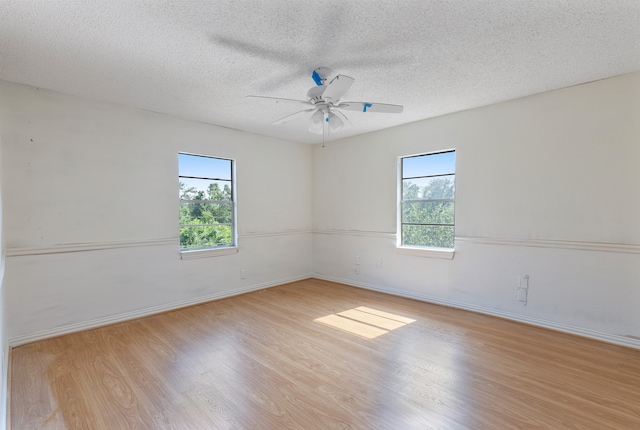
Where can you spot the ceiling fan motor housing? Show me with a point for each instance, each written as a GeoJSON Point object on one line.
{"type": "Point", "coordinates": [322, 74]}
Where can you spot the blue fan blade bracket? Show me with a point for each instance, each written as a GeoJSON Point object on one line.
{"type": "Point", "coordinates": [317, 78]}
{"type": "Point", "coordinates": [365, 106]}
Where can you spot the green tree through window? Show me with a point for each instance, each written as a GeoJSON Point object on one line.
{"type": "Point", "coordinates": [428, 200]}
{"type": "Point", "coordinates": [206, 202]}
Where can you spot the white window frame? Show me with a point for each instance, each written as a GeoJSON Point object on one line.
{"type": "Point", "coordinates": [419, 251]}
{"type": "Point", "coordinates": [219, 250]}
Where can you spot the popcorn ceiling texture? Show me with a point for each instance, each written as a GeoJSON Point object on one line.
{"type": "Point", "coordinates": [198, 59]}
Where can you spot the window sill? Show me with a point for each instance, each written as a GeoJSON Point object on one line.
{"type": "Point", "coordinates": [205, 253]}
{"type": "Point", "coordinates": [446, 254]}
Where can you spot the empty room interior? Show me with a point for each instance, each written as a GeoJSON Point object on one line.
{"type": "Point", "coordinates": [335, 215]}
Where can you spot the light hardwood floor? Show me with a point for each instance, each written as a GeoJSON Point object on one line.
{"type": "Point", "coordinates": [261, 361]}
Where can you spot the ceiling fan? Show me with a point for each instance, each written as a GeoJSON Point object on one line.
{"type": "Point", "coordinates": [324, 103]}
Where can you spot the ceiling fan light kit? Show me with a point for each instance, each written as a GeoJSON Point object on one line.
{"type": "Point", "coordinates": [317, 119]}
{"type": "Point", "coordinates": [323, 102]}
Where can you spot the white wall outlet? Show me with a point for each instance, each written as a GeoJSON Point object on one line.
{"type": "Point", "coordinates": [522, 295]}
{"type": "Point", "coordinates": [357, 269]}
{"type": "Point", "coordinates": [379, 262]}
{"type": "Point", "coordinates": [523, 281]}
{"type": "Point", "coordinates": [243, 274]}
{"type": "Point", "coordinates": [522, 290]}
{"type": "Point", "coordinates": [357, 259]}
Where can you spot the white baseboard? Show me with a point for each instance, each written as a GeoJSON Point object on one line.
{"type": "Point", "coordinates": [126, 316]}
{"type": "Point", "coordinates": [565, 328]}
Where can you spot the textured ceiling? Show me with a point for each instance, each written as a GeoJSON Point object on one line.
{"type": "Point", "coordinates": [199, 59]}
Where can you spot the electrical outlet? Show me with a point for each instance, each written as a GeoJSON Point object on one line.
{"type": "Point", "coordinates": [357, 269]}
{"type": "Point", "coordinates": [379, 262]}
{"type": "Point", "coordinates": [243, 274]}
{"type": "Point", "coordinates": [522, 295]}
{"type": "Point", "coordinates": [522, 290]}
{"type": "Point", "coordinates": [357, 259]}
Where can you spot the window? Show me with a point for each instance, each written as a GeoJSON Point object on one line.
{"type": "Point", "coordinates": [206, 202]}
{"type": "Point", "coordinates": [427, 206]}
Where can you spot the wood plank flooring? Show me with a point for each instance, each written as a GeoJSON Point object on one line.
{"type": "Point", "coordinates": [261, 361]}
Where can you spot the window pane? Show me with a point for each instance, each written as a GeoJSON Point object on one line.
{"type": "Point", "coordinates": [440, 187]}
{"type": "Point", "coordinates": [192, 237]}
{"type": "Point", "coordinates": [206, 213]}
{"type": "Point", "coordinates": [204, 189]}
{"type": "Point", "coordinates": [427, 165]}
{"type": "Point", "coordinates": [428, 212]}
{"type": "Point", "coordinates": [206, 202]}
{"type": "Point", "coordinates": [428, 235]}
{"type": "Point", "coordinates": [204, 167]}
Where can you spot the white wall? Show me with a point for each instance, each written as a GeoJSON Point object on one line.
{"type": "Point", "coordinates": [546, 186]}
{"type": "Point", "coordinates": [4, 343]}
{"type": "Point", "coordinates": [79, 176]}
{"type": "Point", "coordinates": [533, 176]}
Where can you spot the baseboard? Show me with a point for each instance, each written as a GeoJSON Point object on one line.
{"type": "Point", "coordinates": [99, 322]}
{"type": "Point", "coordinates": [127, 316]}
{"type": "Point", "coordinates": [565, 328]}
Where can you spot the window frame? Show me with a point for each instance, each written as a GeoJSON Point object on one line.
{"type": "Point", "coordinates": [417, 250]}
{"type": "Point", "coordinates": [214, 251]}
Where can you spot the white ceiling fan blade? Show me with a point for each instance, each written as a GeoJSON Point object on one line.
{"type": "Point", "coordinates": [280, 100]}
{"type": "Point", "coordinates": [342, 116]}
{"type": "Point", "coordinates": [337, 87]}
{"type": "Point", "coordinates": [371, 107]}
{"type": "Point", "coordinates": [292, 116]}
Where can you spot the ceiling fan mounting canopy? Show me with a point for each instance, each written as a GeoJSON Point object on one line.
{"type": "Point", "coordinates": [323, 102]}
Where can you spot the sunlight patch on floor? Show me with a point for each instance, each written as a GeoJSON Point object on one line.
{"type": "Point", "coordinates": [366, 322]}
